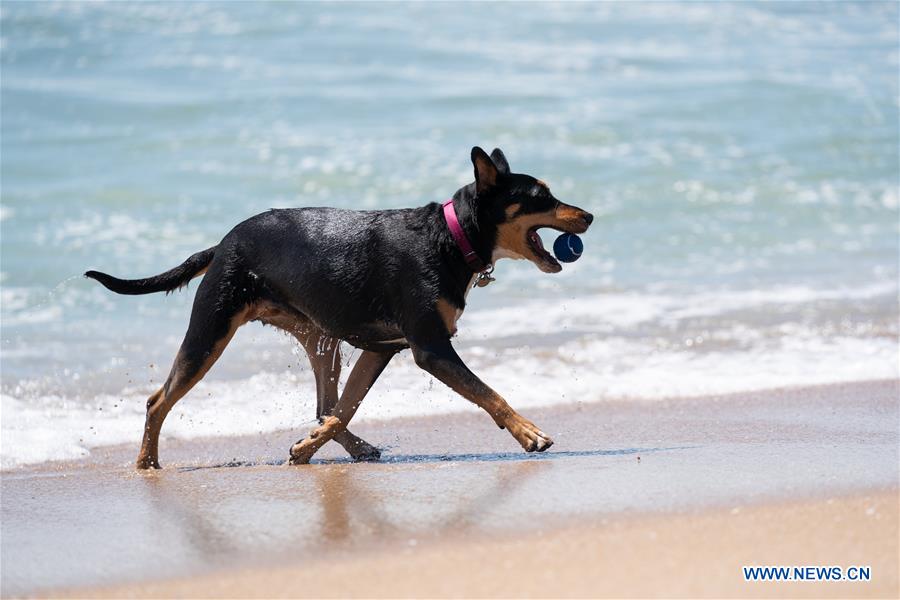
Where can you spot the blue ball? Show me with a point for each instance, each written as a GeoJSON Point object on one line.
{"type": "Point", "coordinates": [568, 247]}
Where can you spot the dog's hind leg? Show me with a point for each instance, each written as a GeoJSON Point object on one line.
{"type": "Point", "coordinates": [366, 370]}
{"type": "Point", "coordinates": [324, 353]}
{"type": "Point", "coordinates": [211, 328]}
{"type": "Point", "coordinates": [325, 359]}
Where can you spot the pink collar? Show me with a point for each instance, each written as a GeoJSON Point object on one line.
{"type": "Point", "coordinates": [459, 236]}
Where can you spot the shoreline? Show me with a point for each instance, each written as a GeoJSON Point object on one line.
{"type": "Point", "coordinates": [117, 454]}
{"type": "Point", "coordinates": [230, 505]}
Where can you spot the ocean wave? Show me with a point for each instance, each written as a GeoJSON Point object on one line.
{"type": "Point", "coordinates": [37, 428]}
{"type": "Point", "coordinates": [605, 312]}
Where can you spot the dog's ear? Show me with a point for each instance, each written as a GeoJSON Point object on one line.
{"type": "Point", "coordinates": [500, 161]}
{"type": "Point", "coordinates": [485, 170]}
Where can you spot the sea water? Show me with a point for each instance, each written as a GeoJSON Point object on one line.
{"type": "Point", "coordinates": [741, 160]}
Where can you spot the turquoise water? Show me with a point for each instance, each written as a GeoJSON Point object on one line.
{"type": "Point", "coordinates": [741, 159]}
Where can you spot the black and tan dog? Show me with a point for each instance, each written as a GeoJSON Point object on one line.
{"type": "Point", "coordinates": [382, 280]}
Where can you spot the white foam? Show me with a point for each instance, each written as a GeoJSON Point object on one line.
{"type": "Point", "coordinates": [601, 312]}
{"type": "Point", "coordinates": [588, 369]}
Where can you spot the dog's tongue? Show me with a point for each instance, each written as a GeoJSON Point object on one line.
{"type": "Point", "coordinates": [536, 239]}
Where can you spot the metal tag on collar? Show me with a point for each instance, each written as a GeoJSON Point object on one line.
{"type": "Point", "coordinates": [484, 277]}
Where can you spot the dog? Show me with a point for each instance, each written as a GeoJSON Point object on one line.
{"type": "Point", "coordinates": [381, 280]}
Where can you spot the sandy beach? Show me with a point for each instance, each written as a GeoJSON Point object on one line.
{"type": "Point", "coordinates": [635, 499]}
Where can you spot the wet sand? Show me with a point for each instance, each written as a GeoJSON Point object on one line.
{"type": "Point", "coordinates": [676, 492]}
{"type": "Point", "coordinates": [681, 555]}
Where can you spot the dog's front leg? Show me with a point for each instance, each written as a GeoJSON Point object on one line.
{"type": "Point", "coordinates": [439, 358]}
{"type": "Point", "coordinates": [368, 367]}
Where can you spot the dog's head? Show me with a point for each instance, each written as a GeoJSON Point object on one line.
{"type": "Point", "coordinates": [518, 206]}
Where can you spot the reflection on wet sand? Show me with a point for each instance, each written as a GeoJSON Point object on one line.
{"type": "Point", "coordinates": [217, 511]}
{"type": "Point", "coordinates": [325, 508]}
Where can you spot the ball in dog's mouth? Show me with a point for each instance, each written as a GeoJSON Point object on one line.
{"type": "Point", "coordinates": [568, 247]}
{"type": "Point", "coordinates": [546, 262]}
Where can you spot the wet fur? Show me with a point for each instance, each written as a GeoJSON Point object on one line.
{"type": "Point", "coordinates": [381, 280]}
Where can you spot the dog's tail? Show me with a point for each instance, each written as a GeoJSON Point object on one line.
{"type": "Point", "coordinates": [164, 282]}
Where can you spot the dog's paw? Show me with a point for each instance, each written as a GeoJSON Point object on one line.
{"type": "Point", "coordinates": [302, 451]}
{"type": "Point", "coordinates": [530, 437]}
{"type": "Point", "coordinates": [359, 449]}
{"type": "Point", "coordinates": [365, 452]}
{"type": "Point", "coordinates": [542, 443]}
{"type": "Point", "coordinates": [362, 451]}
{"type": "Point", "coordinates": [144, 463]}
